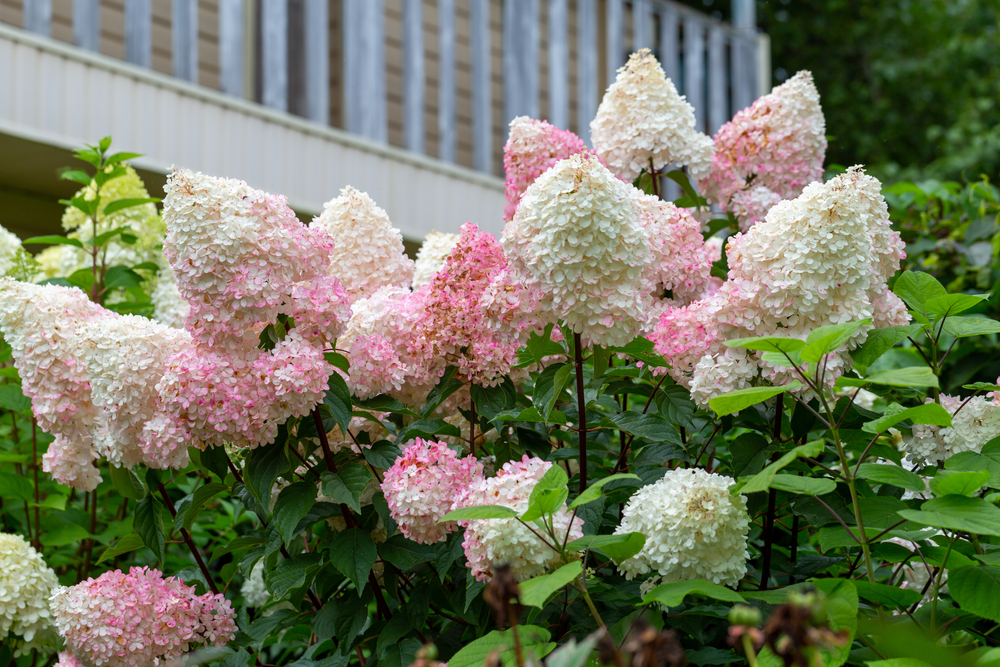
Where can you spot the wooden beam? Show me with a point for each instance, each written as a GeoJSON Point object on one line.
{"type": "Point", "coordinates": [558, 64]}
{"type": "Point", "coordinates": [520, 58]}
{"type": "Point", "coordinates": [231, 46]}
{"type": "Point", "coordinates": [586, 66]}
{"type": "Point", "coordinates": [482, 93]}
{"type": "Point", "coordinates": [694, 69]}
{"type": "Point", "coordinates": [38, 17]}
{"type": "Point", "coordinates": [87, 24]}
{"type": "Point", "coordinates": [718, 102]}
{"type": "Point", "coordinates": [185, 39]}
{"type": "Point", "coordinates": [413, 75]}
{"type": "Point", "coordinates": [614, 42]}
{"type": "Point", "coordinates": [317, 61]}
{"type": "Point", "coordinates": [364, 68]}
{"type": "Point", "coordinates": [446, 80]}
{"type": "Point", "coordinates": [139, 32]}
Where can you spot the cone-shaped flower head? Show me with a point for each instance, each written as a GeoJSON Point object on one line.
{"type": "Point", "coordinates": [368, 251]}
{"type": "Point", "coordinates": [423, 484]}
{"type": "Point", "coordinates": [578, 244]}
{"type": "Point", "coordinates": [430, 258]}
{"type": "Point", "coordinates": [26, 583]}
{"type": "Point", "coordinates": [694, 528]}
{"type": "Point", "coordinates": [42, 325]}
{"type": "Point", "coordinates": [491, 542]}
{"type": "Point", "coordinates": [139, 619]}
{"type": "Point", "coordinates": [642, 118]}
{"type": "Point", "coordinates": [778, 142]}
{"type": "Point", "coordinates": [532, 147]}
{"type": "Point", "coordinates": [680, 263]}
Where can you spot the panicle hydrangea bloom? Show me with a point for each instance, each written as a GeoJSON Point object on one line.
{"type": "Point", "coordinates": [451, 329]}
{"type": "Point", "coordinates": [778, 143]}
{"type": "Point", "coordinates": [694, 529]}
{"type": "Point", "coordinates": [42, 324]}
{"type": "Point", "coordinates": [139, 619]}
{"type": "Point", "coordinates": [423, 484]}
{"type": "Point", "coordinates": [490, 542]}
{"type": "Point", "coordinates": [10, 245]}
{"type": "Point", "coordinates": [579, 245]}
{"type": "Point", "coordinates": [25, 585]}
{"type": "Point", "coordinates": [680, 261]}
{"type": "Point", "coordinates": [684, 335]}
{"type": "Point", "coordinates": [430, 257]}
{"type": "Point", "coordinates": [972, 426]}
{"type": "Point", "coordinates": [238, 254]}
{"type": "Point", "coordinates": [642, 118]}
{"type": "Point", "coordinates": [532, 147]}
{"type": "Point", "coordinates": [368, 251]}
{"type": "Point", "coordinates": [125, 356]}
{"type": "Point", "coordinates": [67, 659]}
{"type": "Point", "coordinates": [169, 307]}
{"type": "Point", "coordinates": [253, 590]}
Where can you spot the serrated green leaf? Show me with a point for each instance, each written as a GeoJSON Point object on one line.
{"type": "Point", "coordinates": [198, 500]}
{"type": "Point", "coordinates": [128, 483]}
{"type": "Point", "coordinates": [593, 492]}
{"type": "Point", "coordinates": [338, 400]}
{"type": "Point", "coordinates": [535, 592]}
{"type": "Point", "coordinates": [479, 512]}
{"type": "Point", "coordinates": [976, 590]}
{"type": "Point", "coordinates": [618, 547]}
{"type": "Point", "coordinates": [971, 515]}
{"type": "Point", "coordinates": [53, 240]}
{"type": "Point", "coordinates": [762, 480]}
{"type": "Point", "coordinates": [884, 595]}
{"type": "Point", "coordinates": [262, 467]}
{"type": "Point", "coordinates": [353, 552]}
{"type": "Point", "coordinates": [824, 340]}
{"type": "Point", "coordinates": [68, 533]}
{"type": "Point", "coordinates": [428, 429]}
{"type": "Point", "coordinates": [548, 494]}
{"type": "Point", "coordinates": [777, 344]}
{"type": "Point", "coordinates": [947, 482]}
{"type": "Point", "coordinates": [881, 473]}
{"type": "Point", "coordinates": [405, 553]}
{"type": "Point", "coordinates": [12, 398]}
{"type": "Point", "coordinates": [293, 573]}
{"type": "Point", "coordinates": [913, 376]}
{"type": "Point", "coordinates": [807, 486]}
{"type": "Point", "coordinates": [650, 426]}
{"type": "Point", "coordinates": [738, 400]}
{"type": "Point", "coordinates": [915, 288]}
{"type": "Point", "coordinates": [124, 545]}
{"type": "Point", "coordinates": [965, 326]}
{"type": "Point", "coordinates": [951, 304]}
{"type": "Point", "coordinates": [148, 525]}
{"type": "Point", "coordinates": [672, 595]}
{"type": "Point", "coordinates": [534, 642]}
{"type": "Point", "coordinates": [122, 204]}
{"type": "Point", "coordinates": [347, 484]}
{"type": "Point", "coordinates": [294, 502]}
{"type": "Point", "coordinates": [880, 341]}
{"type": "Point", "coordinates": [928, 413]}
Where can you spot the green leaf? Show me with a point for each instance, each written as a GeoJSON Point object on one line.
{"type": "Point", "coordinates": [101, 239]}
{"type": "Point", "coordinates": [427, 428]}
{"type": "Point", "coordinates": [548, 495]}
{"type": "Point", "coordinates": [480, 512]}
{"type": "Point", "coordinates": [128, 483]}
{"type": "Point", "coordinates": [681, 178]}
{"type": "Point", "coordinates": [353, 553]}
{"type": "Point", "coordinates": [201, 496]}
{"type": "Point", "coordinates": [16, 487]}
{"type": "Point", "coordinates": [898, 662]}
{"type": "Point", "coordinates": [963, 327]}
{"type": "Point", "coordinates": [617, 547]}
{"type": "Point", "coordinates": [642, 349]}
{"type": "Point", "coordinates": [384, 403]}
{"type": "Point", "coordinates": [928, 413]}
{"type": "Point", "coordinates": [881, 473]}
{"type": "Point", "coordinates": [767, 344]}
{"type": "Point", "coordinates": [262, 467]}
{"type": "Point", "coordinates": [958, 483]}
{"type": "Point", "coordinates": [825, 340]}
{"type": "Point", "coordinates": [549, 386]}
{"type": "Point", "coordinates": [672, 595]}
{"type": "Point", "coordinates": [982, 386]}
{"type": "Point", "coordinates": [541, 345]}
{"type": "Point", "coordinates": [404, 553]}
{"type": "Point", "coordinates": [293, 503]}
{"type": "Point", "coordinates": [122, 204]}
{"type": "Point", "coordinates": [951, 304]}
{"type": "Point", "coordinates": [971, 515]}
{"type": "Point", "coordinates": [913, 376]}
{"type": "Point", "coordinates": [445, 387]}
{"type": "Point", "coordinates": [918, 287]}
{"type": "Point", "coordinates": [126, 544]}
{"type": "Point", "coordinates": [397, 628]}
{"type": "Point", "coordinates": [880, 341]}
{"type": "Point", "coordinates": [490, 401]}
{"type": "Point", "coordinates": [534, 641]}
{"type": "Point", "coordinates": [121, 157]}
{"type": "Point", "coordinates": [535, 592]}
{"type": "Point", "coordinates": [886, 595]}
{"type": "Point", "coordinates": [147, 524]}
{"type": "Point", "coordinates": [976, 590]}
{"type": "Point", "coordinates": [77, 176]}
{"type": "Point", "coordinates": [382, 454]}
{"type": "Point", "coordinates": [216, 461]}
{"type": "Point", "coordinates": [974, 462]}
{"type": "Point", "coordinates": [652, 427]}
{"type": "Point", "coordinates": [347, 484]}
{"type": "Point", "coordinates": [530, 415]}
{"type": "Point", "coordinates": [68, 533]}
{"type": "Point", "coordinates": [762, 480]}
{"type": "Point", "coordinates": [53, 240]}
{"type": "Point", "coordinates": [294, 572]}
{"type": "Point", "coordinates": [807, 486]}
{"type": "Point", "coordinates": [122, 276]}
{"type": "Point", "coordinates": [338, 400]}
{"type": "Point", "coordinates": [593, 492]}
{"type": "Point", "coordinates": [741, 399]}
{"type": "Point", "coordinates": [13, 399]}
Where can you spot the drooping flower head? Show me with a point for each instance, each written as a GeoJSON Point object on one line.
{"type": "Point", "coordinates": [25, 585]}
{"type": "Point", "coordinates": [642, 118]}
{"type": "Point", "coordinates": [42, 325]}
{"type": "Point", "coordinates": [423, 484]}
{"type": "Point", "coordinates": [139, 619]}
{"type": "Point", "coordinates": [578, 245]}
{"type": "Point", "coordinates": [972, 426]}
{"type": "Point", "coordinates": [490, 542]}
{"type": "Point", "coordinates": [368, 251]}
{"type": "Point", "coordinates": [777, 143]}
{"type": "Point", "coordinates": [532, 147]}
{"type": "Point", "coordinates": [694, 528]}
{"type": "Point", "coordinates": [430, 257]}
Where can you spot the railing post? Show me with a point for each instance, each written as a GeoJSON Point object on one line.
{"type": "Point", "coordinates": [717, 107]}
{"type": "Point", "coordinates": [274, 53]}
{"type": "Point", "coordinates": [38, 16]}
{"type": "Point", "coordinates": [613, 42]}
{"type": "Point", "coordinates": [364, 68]}
{"type": "Point", "coordinates": [558, 64]}
{"type": "Point", "coordinates": [138, 32]}
{"type": "Point", "coordinates": [520, 58]}
{"type": "Point", "coordinates": [694, 69]}
{"type": "Point", "coordinates": [642, 25]}
{"type": "Point", "coordinates": [317, 61]}
{"type": "Point", "coordinates": [231, 46]}
{"type": "Point", "coordinates": [185, 39]}
{"type": "Point", "coordinates": [668, 44]}
{"type": "Point", "coordinates": [87, 24]}
{"type": "Point", "coordinates": [446, 80]}
{"type": "Point", "coordinates": [586, 56]}
{"type": "Point", "coordinates": [482, 115]}
{"type": "Point", "coordinates": [413, 75]}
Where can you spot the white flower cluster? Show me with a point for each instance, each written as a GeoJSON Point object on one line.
{"type": "Point", "coordinates": [253, 590]}
{"type": "Point", "coordinates": [578, 242]}
{"type": "Point", "coordinates": [10, 246]}
{"type": "Point", "coordinates": [169, 307]}
{"type": "Point", "coordinates": [25, 585]}
{"type": "Point", "coordinates": [431, 256]}
{"type": "Point", "coordinates": [642, 118]}
{"type": "Point", "coordinates": [368, 251]}
{"type": "Point", "coordinates": [972, 426]}
{"type": "Point", "coordinates": [751, 205]}
{"type": "Point", "coordinates": [694, 528]}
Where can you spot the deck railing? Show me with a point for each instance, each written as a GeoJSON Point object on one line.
{"type": "Point", "coordinates": [326, 60]}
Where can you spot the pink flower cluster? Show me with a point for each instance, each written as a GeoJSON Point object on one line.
{"type": "Point", "coordinates": [422, 486]}
{"type": "Point", "coordinates": [138, 619]}
{"type": "Point", "coordinates": [775, 146]}
{"type": "Point", "coordinates": [532, 147]}
{"type": "Point", "coordinates": [681, 262]}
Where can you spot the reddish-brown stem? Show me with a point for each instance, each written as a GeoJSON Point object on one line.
{"type": "Point", "coordinates": [581, 404]}
{"type": "Point", "coordinates": [34, 469]}
{"type": "Point", "coordinates": [188, 541]}
{"type": "Point", "coordinates": [472, 427]}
